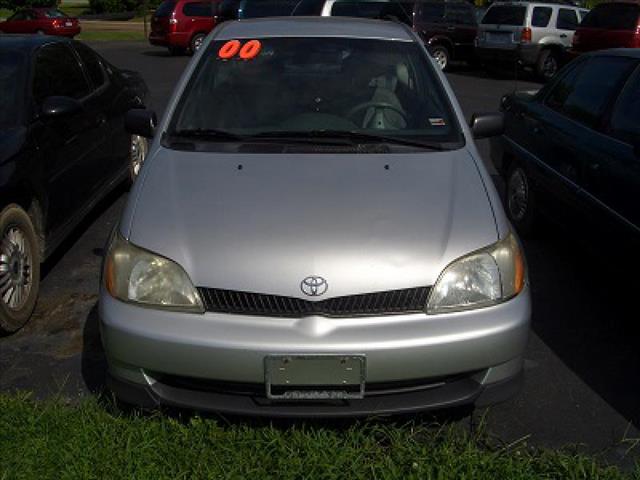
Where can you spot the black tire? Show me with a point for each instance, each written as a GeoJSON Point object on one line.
{"type": "Point", "coordinates": [547, 65]}
{"type": "Point", "coordinates": [196, 42]}
{"type": "Point", "coordinates": [19, 269]}
{"type": "Point", "coordinates": [520, 201]}
{"type": "Point", "coordinates": [441, 55]}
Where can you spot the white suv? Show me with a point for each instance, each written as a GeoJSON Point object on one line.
{"type": "Point", "coordinates": [535, 34]}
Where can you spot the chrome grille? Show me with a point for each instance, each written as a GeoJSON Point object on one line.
{"type": "Point", "coordinates": [408, 300]}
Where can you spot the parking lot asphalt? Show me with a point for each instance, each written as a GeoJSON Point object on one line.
{"type": "Point", "coordinates": [582, 363]}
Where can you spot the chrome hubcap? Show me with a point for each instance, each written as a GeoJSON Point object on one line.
{"type": "Point", "coordinates": [518, 195]}
{"type": "Point", "coordinates": [197, 43]}
{"type": "Point", "coordinates": [441, 58]}
{"type": "Point", "coordinates": [138, 153]}
{"type": "Point", "coordinates": [15, 269]}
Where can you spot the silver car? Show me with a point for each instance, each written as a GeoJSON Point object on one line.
{"type": "Point", "coordinates": [313, 233]}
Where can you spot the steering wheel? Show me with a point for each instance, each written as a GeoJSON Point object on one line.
{"type": "Point", "coordinates": [372, 103]}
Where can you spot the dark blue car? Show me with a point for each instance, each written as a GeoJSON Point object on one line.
{"type": "Point", "coordinates": [571, 151]}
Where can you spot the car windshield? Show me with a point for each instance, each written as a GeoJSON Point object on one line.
{"type": "Point", "coordinates": [314, 87]}
{"type": "Point", "coordinates": [505, 15]}
{"type": "Point", "coordinates": [12, 66]}
{"type": "Point", "coordinates": [614, 16]}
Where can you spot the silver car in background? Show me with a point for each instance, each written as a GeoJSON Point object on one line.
{"type": "Point", "coordinates": [314, 233]}
{"type": "Point", "coordinates": [535, 34]}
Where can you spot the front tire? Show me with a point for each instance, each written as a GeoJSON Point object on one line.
{"type": "Point", "coordinates": [19, 269]}
{"type": "Point", "coordinates": [520, 199]}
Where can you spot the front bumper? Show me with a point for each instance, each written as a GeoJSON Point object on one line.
{"type": "Point", "coordinates": [216, 361]}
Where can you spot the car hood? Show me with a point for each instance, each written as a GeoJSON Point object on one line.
{"type": "Point", "coordinates": [264, 222]}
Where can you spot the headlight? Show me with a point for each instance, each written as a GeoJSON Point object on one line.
{"type": "Point", "coordinates": [134, 275]}
{"type": "Point", "coordinates": [486, 277]}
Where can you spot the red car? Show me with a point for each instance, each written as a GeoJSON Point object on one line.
{"type": "Point", "coordinates": [46, 21]}
{"type": "Point", "coordinates": [182, 25]}
{"type": "Point", "coordinates": [609, 25]}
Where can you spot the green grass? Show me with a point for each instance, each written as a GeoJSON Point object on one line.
{"type": "Point", "coordinates": [95, 440]}
{"type": "Point", "coordinates": [110, 35]}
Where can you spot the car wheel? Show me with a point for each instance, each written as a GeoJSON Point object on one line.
{"type": "Point", "coordinates": [196, 42]}
{"type": "Point", "coordinates": [19, 269]}
{"type": "Point", "coordinates": [547, 65]}
{"type": "Point", "coordinates": [137, 153]}
{"type": "Point", "coordinates": [441, 56]}
{"type": "Point", "coordinates": [40, 32]}
{"type": "Point", "coordinates": [520, 199]}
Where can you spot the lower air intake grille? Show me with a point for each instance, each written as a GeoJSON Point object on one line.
{"type": "Point", "coordinates": [409, 300]}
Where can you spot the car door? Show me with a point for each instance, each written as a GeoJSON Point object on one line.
{"type": "Point", "coordinates": [614, 174]}
{"type": "Point", "coordinates": [462, 27]}
{"type": "Point", "coordinates": [70, 143]}
{"type": "Point", "coordinates": [569, 129]}
{"type": "Point", "coordinates": [567, 22]}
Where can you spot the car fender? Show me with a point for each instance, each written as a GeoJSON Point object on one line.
{"type": "Point", "coordinates": [551, 42]}
{"type": "Point", "coordinates": [439, 40]}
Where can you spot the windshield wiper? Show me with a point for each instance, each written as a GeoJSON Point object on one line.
{"type": "Point", "coordinates": [207, 134]}
{"type": "Point", "coordinates": [351, 135]}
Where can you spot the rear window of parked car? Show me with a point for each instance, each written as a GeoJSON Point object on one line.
{"type": "Point", "coordinates": [165, 9]}
{"type": "Point", "coordinates": [266, 8]}
{"type": "Point", "coordinates": [541, 16]}
{"type": "Point", "coordinates": [613, 16]}
{"type": "Point", "coordinates": [53, 13]}
{"type": "Point", "coordinates": [505, 15]}
{"type": "Point", "coordinates": [567, 19]}
{"type": "Point", "coordinates": [430, 12]}
{"type": "Point", "coordinates": [197, 9]}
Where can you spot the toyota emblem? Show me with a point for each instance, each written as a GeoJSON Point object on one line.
{"type": "Point", "coordinates": [314, 286]}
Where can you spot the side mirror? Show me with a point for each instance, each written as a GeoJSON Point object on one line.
{"type": "Point", "coordinates": [56, 107]}
{"type": "Point", "coordinates": [141, 122]}
{"type": "Point", "coordinates": [485, 125]}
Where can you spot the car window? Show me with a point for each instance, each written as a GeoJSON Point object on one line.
{"type": "Point", "coordinates": [613, 16]}
{"type": "Point", "coordinates": [567, 19]}
{"type": "Point", "coordinates": [165, 9]}
{"type": "Point", "coordinates": [574, 97]}
{"type": "Point", "coordinates": [92, 64]}
{"type": "Point", "coordinates": [430, 12]}
{"type": "Point", "coordinates": [54, 13]}
{"type": "Point", "coordinates": [57, 72]}
{"type": "Point", "coordinates": [460, 14]}
{"type": "Point", "coordinates": [505, 15]}
{"type": "Point", "coordinates": [22, 15]}
{"type": "Point", "coordinates": [582, 14]}
{"type": "Point", "coordinates": [310, 84]}
{"type": "Point", "coordinates": [540, 16]}
{"type": "Point", "coordinates": [625, 119]}
{"type": "Point", "coordinates": [197, 9]}
{"type": "Point", "coordinates": [12, 80]}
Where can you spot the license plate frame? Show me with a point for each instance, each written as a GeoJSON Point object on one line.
{"type": "Point", "coordinates": [315, 376]}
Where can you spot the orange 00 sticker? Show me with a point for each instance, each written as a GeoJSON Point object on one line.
{"type": "Point", "coordinates": [250, 49]}
{"type": "Point", "coordinates": [229, 49]}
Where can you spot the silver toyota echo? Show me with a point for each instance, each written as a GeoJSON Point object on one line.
{"type": "Point", "coordinates": [313, 233]}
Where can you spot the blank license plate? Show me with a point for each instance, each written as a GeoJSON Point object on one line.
{"type": "Point", "coordinates": [68, 24]}
{"type": "Point", "coordinates": [501, 38]}
{"type": "Point", "coordinates": [314, 377]}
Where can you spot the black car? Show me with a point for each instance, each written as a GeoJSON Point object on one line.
{"type": "Point", "coordinates": [571, 151]}
{"type": "Point", "coordinates": [63, 147]}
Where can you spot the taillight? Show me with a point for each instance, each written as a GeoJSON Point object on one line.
{"type": "Point", "coordinates": [525, 36]}
{"type": "Point", "coordinates": [173, 22]}
{"type": "Point", "coordinates": [56, 24]}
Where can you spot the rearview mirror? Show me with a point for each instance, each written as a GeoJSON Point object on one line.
{"type": "Point", "coordinates": [141, 122]}
{"type": "Point", "coordinates": [487, 124]}
{"type": "Point", "coordinates": [55, 107]}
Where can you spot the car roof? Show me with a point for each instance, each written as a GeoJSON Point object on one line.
{"type": "Point", "coordinates": [537, 4]}
{"type": "Point", "coordinates": [29, 42]}
{"type": "Point", "coordinates": [313, 27]}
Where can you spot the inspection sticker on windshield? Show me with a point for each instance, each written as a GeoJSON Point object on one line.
{"type": "Point", "coordinates": [437, 122]}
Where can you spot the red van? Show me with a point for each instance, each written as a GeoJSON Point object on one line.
{"type": "Point", "coordinates": [182, 25]}
{"type": "Point", "coordinates": [609, 25]}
